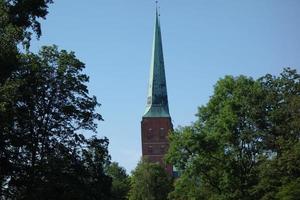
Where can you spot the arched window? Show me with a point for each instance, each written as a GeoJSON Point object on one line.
{"type": "Point", "coordinates": [162, 149]}
{"type": "Point", "coordinates": [150, 149]}
{"type": "Point", "coordinates": [150, 133]}
{"type": "Point", "coordinates": [162, 134]}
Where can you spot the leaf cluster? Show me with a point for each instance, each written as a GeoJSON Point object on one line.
{"type": "Point", "coordinates": [18, 21]}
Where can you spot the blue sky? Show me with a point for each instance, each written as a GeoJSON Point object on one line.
{"type": "Point", "coordinates": [203, 41]}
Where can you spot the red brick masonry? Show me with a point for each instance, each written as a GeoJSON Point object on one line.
{"type": "Point", "coordinates": [155, 142]}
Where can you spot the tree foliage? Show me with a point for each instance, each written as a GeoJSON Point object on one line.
{"type": "Point", "coordinates": [245, 143]}
{"type": "Point", "coordinates": [45, 105]}
{"type": "Point", "coordinates": [120, 181]}
{"type": "Point", "coordinates": [149, 181]}
{"type": "Point", "coordinates": [18, 21]}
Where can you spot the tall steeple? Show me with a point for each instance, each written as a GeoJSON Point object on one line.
{"type": "Point", "coordinates": [156, 122]}
{"type": "Point", "coordinates": [157, 101]}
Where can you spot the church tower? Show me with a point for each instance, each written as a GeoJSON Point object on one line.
{"type": "Point", "coordinates": [156, 122]}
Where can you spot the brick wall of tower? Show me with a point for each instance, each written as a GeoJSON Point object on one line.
{"type": "Point", "coordinates": [155, 142]}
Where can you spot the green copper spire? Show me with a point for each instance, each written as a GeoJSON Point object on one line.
{"type": "Point", "coordinates": [157, 101]}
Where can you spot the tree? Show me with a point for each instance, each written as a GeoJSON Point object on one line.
{"type": "Point", "coordinates": [44, 106]}
{"type": "Point", "coordinates": [244, 143]}
{"type": "Point", "coordinates": [280, 172]}
{"type": "Point", "coordinates": [18, 21]}
{"type": "Point", "coordinates": [120, 181]}
{"type": "Point", "coordinates": [149, 181]}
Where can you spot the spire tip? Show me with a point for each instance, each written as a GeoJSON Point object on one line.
{"type": "Point", "coordinates": [157, 8]}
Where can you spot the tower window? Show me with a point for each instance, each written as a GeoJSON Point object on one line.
{"type": "Point", "coordinates": [162, 133]}
{"type": "Point", "coordinates": [162, 149]}
{"type": "Point", "coordinates": [149, 133]}
{"type": "Point", "coordinates": [150, 149]}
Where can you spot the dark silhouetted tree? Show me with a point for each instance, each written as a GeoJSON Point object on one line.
{"type": "Point", "coordinates": [18, 21]}
{"type": "Point", "coordinates": [45, 106]}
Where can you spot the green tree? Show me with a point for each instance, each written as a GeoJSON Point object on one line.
{"type": "Point", "coordinates": [45, 106]}
{"type": "Point", "coordinates": [280, 171]}
{"type": "Point", "coordinates": [149, 181]}
{"type": "Point", "coordinates": [244, 143]}
{"type": "Point", "coordinates": [18, 21]}
{"type": "Point", "coordinates": [120, 181]}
